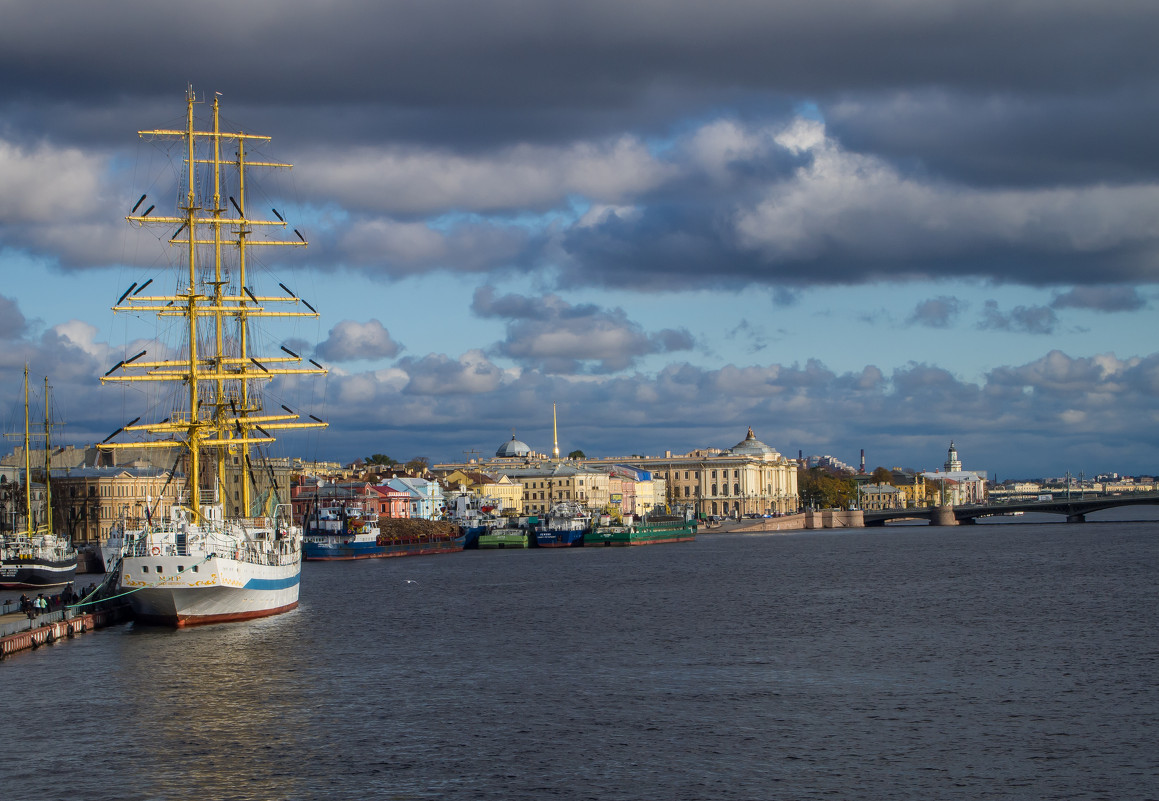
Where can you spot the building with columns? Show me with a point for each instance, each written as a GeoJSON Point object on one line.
{"type": "Point", "coordinates": [748, 478]}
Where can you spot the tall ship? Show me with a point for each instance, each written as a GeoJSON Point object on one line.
{"type": "Point", "coordinates": [650, 529]}
{"type": "Point", "coordinates": [36, 557]}
{"type": "Point", "coordinates": [564, 526]}
{"type": "Point", "coordinates": [192, 563]}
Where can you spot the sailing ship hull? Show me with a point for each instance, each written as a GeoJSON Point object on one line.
{"type": "Point", "coordinates": [24, 574]}
{"type": "Point", "coordinates": [340, 551]}
{"type": "Point", "coordinates": [163, 591]}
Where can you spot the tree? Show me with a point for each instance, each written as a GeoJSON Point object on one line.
{"type": "Point", "coordinates": [419, 464]}
{"type": "Point", "coordinates": [380, 458]}
{"type": "Point", "coordinates": [882, 475]}
{"type": "Point", "coordinates": [576, 454]}
{"type": "Point", "coordinates": [821, 489]}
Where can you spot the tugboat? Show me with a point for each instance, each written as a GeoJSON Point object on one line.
{"type": "Point", "coordinates": [191, 563]}
{"type": "Point", "coordinates": [36, 557]}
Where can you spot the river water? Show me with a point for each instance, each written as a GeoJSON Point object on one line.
{"type": "Point", "coordinates": [993, 661]}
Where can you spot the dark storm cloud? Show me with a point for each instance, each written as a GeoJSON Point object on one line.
{"type": "Point", "coordinates": [1009, 137]}
{"type": "Point", "coordinates": [1010, 141]}
{"type": "Point", "coordinates": [596, 53]}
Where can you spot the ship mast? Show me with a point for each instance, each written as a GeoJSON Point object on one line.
{"type": "Point", "coordinates": [222, 413]}
{"type": "Point", "coordinates": [47, 465]}
{"type": "Point", "coordinates": [46, 525]}
{"type": "Point", "coordinates": [27, 460]}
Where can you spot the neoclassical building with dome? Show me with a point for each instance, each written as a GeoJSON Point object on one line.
{"type": "Point", "coordinates": [748, 478]}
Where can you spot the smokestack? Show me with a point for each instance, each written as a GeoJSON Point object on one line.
{"type": "Point", "coordinates": [863, 460]}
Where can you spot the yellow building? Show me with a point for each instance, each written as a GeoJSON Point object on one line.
{"type": "Point", "coordinates": [509, 493]}
{"type": "Point", "coordinates": [89, 501]}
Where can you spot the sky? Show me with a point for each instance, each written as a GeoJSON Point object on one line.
{"type": "Point", "coordinates": [848, 224]}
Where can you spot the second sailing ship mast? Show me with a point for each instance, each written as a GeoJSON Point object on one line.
{"type": "Point", "coordinates": [228, 416]}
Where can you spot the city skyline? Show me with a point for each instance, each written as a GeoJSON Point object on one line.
{"type": "Point", "coordinates": [878, 226]}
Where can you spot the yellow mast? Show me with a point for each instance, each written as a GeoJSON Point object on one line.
{"type": "Point", "coordinates": [233, 431]}
{"type": "Point", "coordinates": [47, 465]}
{"type": "Point", "coordinates": [27, 461]}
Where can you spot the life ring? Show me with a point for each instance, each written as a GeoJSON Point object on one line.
{"type": "Point", "coordinates": [156, 551]}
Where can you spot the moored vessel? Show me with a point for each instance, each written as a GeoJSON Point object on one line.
{"type": "Point", "coordinates": [651, 529]}
{"type": "Point", "coordinates": [37, 556]}
{"type": "Point", "coordinates": [191, 563]}
{"type": "Point", "coordinates": [345, 530]}
{"type": "Point", "coordinates": [509, 533]}
{"type": "Point", "coordinates": [564, 526]}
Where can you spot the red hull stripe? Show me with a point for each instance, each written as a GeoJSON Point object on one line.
{"type": "Point", "coordinates": [182, 621]}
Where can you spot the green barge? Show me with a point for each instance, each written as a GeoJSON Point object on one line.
{"type": "Point", "coordinates": [647, 531]}
{"type": "Point", "coordinates": [522, 537]}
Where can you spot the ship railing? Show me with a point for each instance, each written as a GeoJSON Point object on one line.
{"type": "Point", "coordinates": [254, 552]}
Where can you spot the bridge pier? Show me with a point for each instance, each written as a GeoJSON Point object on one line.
{"type": "Point", "coordinates": [1079, 518]}
{"type": "Point", "coordinates": [943, 516]}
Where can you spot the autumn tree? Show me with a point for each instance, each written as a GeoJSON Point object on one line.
{"type": "Point", "coordinates": [818, 488]}
{"type": "Point", "coordinates": [882, 475]}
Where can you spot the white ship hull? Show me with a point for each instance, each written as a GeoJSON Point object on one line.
{"type": "Point", "coordinates": [173, 591]}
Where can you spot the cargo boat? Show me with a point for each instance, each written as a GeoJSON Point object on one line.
{"type": "Point", "coordinates": [346, 531]}
{"type": "Point", "coordinates": [509, 536]}
{"type": "Point", "coordinates": [649, 530]}
{"type": "Point", "coordinates": [565, 526]}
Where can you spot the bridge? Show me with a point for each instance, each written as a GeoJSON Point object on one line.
{"type": "Point", "coordinates": [1075, 508]}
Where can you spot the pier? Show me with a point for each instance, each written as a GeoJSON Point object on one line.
{"type": "Point", "coordinates": [18, 632]}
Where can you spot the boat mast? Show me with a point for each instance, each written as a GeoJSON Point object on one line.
{"type": "Point", "coordinates": [27, 461]}
{"type": "Point", "coordinates": [193, 435]}
{"type": "Point", "coordinates": [47, 465]}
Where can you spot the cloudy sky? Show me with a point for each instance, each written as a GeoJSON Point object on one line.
{"type": "Point", "coordinates": [878, 224]}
